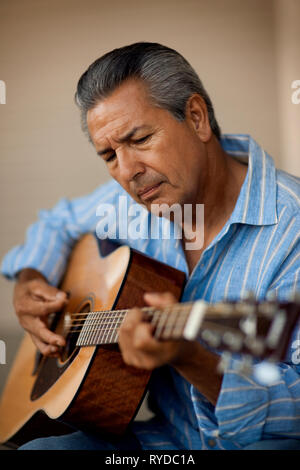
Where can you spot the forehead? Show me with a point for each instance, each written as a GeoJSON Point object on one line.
{"type": "Point", "coordinates": [127, 107]}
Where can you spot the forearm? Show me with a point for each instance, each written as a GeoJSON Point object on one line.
{"type": "Point", "coordinates": [199, 367]}
{"type": "Point", "coordinates": [28, 274]}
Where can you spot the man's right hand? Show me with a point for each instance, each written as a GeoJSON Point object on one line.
{"type": "Point", "coordinates": [34, 299]}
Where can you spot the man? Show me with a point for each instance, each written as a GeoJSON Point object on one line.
{"type": "Point", "coordinates": [150, 119]}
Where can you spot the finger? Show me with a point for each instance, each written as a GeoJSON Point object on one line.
{"type": "Point", "coordinates": [132, 318]}
{"type": "Point", "coordinates": [46, 292]}
{"type": "Point", "coordinates": [159, 299]}
{"type": "Point", "coordinates": [46, 349]}
{"type": "Point", "coordinates": [143, 339]}
{"type": "Point", "coordinates": [28, 306]}
{"type": "Point", "coordinates": [38, 328]}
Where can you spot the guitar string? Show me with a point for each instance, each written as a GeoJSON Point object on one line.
{"type": "Point", "coordinates": [147, 309]}
{"type": "Point", "coordinates": [102, 326]}
{"type": "Point", "coordinates": [92, 328]}
{"type": "Point", "coordinates": [109, 330]}
{"type": "Point", "coordinates": [111, 321]}
{"type": "Point", "coordinates": [112, 318]}
{"type": "Point", "coordinates": [152, 313]}
{"type": "Point", "coordinates": [86, 323]}
{"type": "Point", "coordinates": [167, 328]}
{"type": "Point", "coordinates": [183, 306]}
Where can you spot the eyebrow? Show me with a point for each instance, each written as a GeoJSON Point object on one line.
{"type": "Point", "coordinates": [125, 138]}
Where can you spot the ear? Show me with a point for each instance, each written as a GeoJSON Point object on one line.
{"type": "Point", "coordinates": [197, 117]}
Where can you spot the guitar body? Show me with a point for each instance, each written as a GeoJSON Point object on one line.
{"type": "Point", "coordinates": [90, 387]}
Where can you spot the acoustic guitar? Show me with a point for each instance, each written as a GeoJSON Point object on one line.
{"type": "Point", "coordinates": [89, 386]}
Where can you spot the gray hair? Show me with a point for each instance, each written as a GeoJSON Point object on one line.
{"type": "Point", "coordinates": [169, 77]}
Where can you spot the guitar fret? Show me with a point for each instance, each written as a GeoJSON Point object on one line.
{"type": "Point", "coordinates": [104, 331]}
{"type": "Point", "coordinates": [155, 316]}
{"type": "Point", "coordinates": [161, 322]}
{"type": "Point", "coordinates": [90, 322]}
{"type": "Point", "coordinates": [111, 329]}
{"type": "Point", "coordinates": [98, 322]}
{"type": "Point", "coordinates": [88, 327]}
{"type": "Point", "coordinates": [118, 323]}
{"type": "Point", "coordinates": [174, 328]}
{"type": "Point", "coordinates": [82, 335]}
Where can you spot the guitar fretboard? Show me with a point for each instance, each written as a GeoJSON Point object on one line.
{"type": "Point", "coordinates": [102, 327]}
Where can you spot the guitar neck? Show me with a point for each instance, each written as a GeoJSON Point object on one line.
{"type": "Point", "coordinates": [259, 329]}
{"type": "Point", "coordinates": [102, 327]}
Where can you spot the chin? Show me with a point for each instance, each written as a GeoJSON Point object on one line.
{"type": "Point", "coordinates": [163, 208]}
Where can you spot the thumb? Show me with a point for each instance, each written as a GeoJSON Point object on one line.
{"type": "Point", "coordinates": [159, 299]}
{"type": "Point", "coordinates": [45, 291]}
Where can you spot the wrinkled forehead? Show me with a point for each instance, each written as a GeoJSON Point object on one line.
{"type": "Point", "coordinates": [127, 107]}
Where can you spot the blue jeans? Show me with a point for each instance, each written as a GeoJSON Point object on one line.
{"type": "Point", "coordinates": [84, 441]}
{"type": "Point", "coordinates": [275, 444]}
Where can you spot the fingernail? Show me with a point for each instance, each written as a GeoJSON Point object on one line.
{"type": "Point", "coordinates": [60, 295]}
{"type": "Point", "coordinates": [152, 294]}
{"type": "Point", "coordinates": [53, 349]}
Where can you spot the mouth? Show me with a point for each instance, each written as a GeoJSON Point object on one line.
{"type": "Point", "coordinates": [149, 191]}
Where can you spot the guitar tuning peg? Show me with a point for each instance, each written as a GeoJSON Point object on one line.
{"type": "Point", "coordinates": [245, 367]}
{"type": "Point", "coordinates": [212, 338]}
{"type": "Point", "coordinates": [248, 296]}
{"type": "Point", "coordinates": [224, 362]}
{"type": "Point", "coordinates": [247, 305]}
{"type": "Point", "coordinates": [295, 297]}
{"type": "Point", "coordinates": [234, 341]}
{"type": "Point", "coordinates": [271, 296]}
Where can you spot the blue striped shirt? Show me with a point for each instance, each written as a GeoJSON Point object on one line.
{"type": "Point", "coordinates": [258, 250]}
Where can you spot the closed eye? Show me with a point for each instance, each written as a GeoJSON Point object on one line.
{"type": "Point", "coordinates": [111, 157]}
{"type": "Point", "coordinates": [137, 141]}
{"type": "Point", "coordinates": [142, 139]}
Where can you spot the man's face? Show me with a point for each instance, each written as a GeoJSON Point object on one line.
{"type": "Point", "coordinates": [154, 157]}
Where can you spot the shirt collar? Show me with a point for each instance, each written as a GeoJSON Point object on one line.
{"type": "Point", "coordinates": [256, 204]}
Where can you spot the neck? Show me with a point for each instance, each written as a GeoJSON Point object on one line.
{"type": "Point", "coordinates": [218, 192]}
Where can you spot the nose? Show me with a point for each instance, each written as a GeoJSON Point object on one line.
{"type": "Point", "coordinates": [130, 165]}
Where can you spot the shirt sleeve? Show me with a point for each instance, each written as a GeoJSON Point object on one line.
{"type": "Point", "coordinates": [50, 239]}
{"type": "Point", "coordinates": [247, 411]}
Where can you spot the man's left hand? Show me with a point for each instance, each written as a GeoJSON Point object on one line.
{"type": "Point", "coordinates": [138, 346]}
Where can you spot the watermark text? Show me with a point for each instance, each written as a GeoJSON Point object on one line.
{"type": "Point", "coordinates": [296, 94]}
{"type": "Point", "coordinates": [125, 221]}
{"type": "Point", "coordinates": [2, 352]}
{"type": "Point", "coordinates": [296, 353]}
{"type": "Point", "coordinates": [2, 92]}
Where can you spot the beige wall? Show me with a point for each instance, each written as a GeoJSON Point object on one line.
{"type": "Point", "coordinates": [287, 29]}
{"type": "Point", "coordinates": [46, 44]}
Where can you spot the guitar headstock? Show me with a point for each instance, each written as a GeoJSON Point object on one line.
{"type": "Point", "coordinates": [260, 330]}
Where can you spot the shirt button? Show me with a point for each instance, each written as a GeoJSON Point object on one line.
{"type": "Point", "coordinates": [211, 443]}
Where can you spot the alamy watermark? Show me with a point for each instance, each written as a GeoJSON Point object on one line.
{"type": "Point", "coordinates": [2, 352]}
{"type": "Point", "coordinates": [296, 353]}
{"type": "Point", "coordinates": [132, 221]}
{"type": "Point", "coordinates": [2, 92]}
{"type": "Point", "coordinates": [296, 94]}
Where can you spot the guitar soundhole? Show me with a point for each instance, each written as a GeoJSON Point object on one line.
{"type": "Point", "coordinates": [73, 329]}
